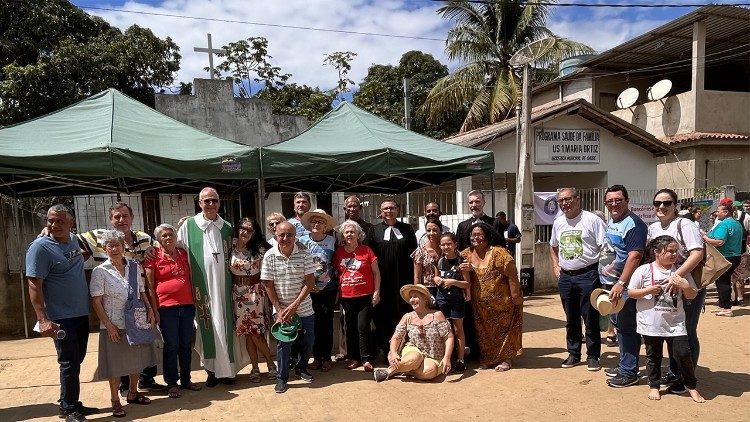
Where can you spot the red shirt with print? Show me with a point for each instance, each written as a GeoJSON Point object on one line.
{"type": "Point", "coordinates": [355, 271]}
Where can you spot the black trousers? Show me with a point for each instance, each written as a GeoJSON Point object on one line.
{"type": "Point", "coordinates": [324, 304]}
{"type": "Point", "coordinates": [358, 315]}
{"type": "Point", "coordinates": [70, 353]}
{"type": "Point", "coordinates": [678, 349]}
{"type": "Point", "coordinates": [724, 283]}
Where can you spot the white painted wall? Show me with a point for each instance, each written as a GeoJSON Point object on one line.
{"type": "Point", "coordinates": [622, 161]}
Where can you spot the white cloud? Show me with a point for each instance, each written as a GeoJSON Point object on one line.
{"type": "Point", "coordinates": [297, 51]}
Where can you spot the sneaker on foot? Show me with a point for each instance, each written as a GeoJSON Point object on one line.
{"type": "Point", "coordinates": [612, 372]}
{"type": "Point", "coordinates": [621, 381]}
{"type": "Point", "coordinates": [571, 361]}
{"type": "Point", "coordinates": [592, 364]}
{"type": "Point", "coordinates": [75, 417]}
{"type": "Point", "coordinates": [667, 380]}
{"type": "Point", "coordinates": [380, 374]}
{"type": "Point", "coordinates": [460, 366]}
{"type": "Point", "coordinates": [677, 388]}
{"type": "Point", "coordinates": [280, 386]}
{"type": "Point", "coordinates": [303, 375]}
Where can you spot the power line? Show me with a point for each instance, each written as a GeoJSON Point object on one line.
{"type": "Point", "coordinates": [273, 25]}
{"type": "Point", "coordinates": [612, 5]}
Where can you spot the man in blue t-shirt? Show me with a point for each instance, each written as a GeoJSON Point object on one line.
{"type": "Point", "coordinates": [59, 295]}
{"type": "Point", "coordinates": [508, 230]}
{"type": "Point", "coordinates": [624, 244]}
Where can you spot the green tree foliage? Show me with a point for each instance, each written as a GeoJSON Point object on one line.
{"type": "Point", "coordinates": [485, 36]}
{"type": "Point", "coordinates": [296, 100]}
{"type": "Point", "coordinates": [248, 60]}
{"type": "Point", "coordinates": [382, 92]}
{"type": "Point", "coordinates": [53, 54]}
{"type": "Point", "coordinates": [341, 61]}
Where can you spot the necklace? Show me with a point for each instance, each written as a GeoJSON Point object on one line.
{"type": "Point", "coordinates": [214, 249]}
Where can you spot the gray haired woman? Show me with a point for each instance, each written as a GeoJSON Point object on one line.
{"type": "Point", "coordinates": [359, 288]}
{"type": "Point", "coordinates": [109, 292]}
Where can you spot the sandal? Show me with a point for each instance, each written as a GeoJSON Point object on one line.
{"type": "Point", "coordinates": [326, 366]}
{"type": "Point", "coordinates": [315, 365]}
{"type": "Point", "coordinates": [138, 399]}
{"type": "Point", "coordinates": [353, 364]}
{"type": "Point", "coordinates": [117, 410]}
{"type": "Point", "coordinates": [272, 372]}
{"type": "Point", "coordinates": [504, 366]}
{"type": "Point", "coordinates": [174, 392]}
{"type": "Point", "coordinates": [255, 375]}
{"type": "Point", "coordinates": [192, 387]}
{"type": "Point", "coordinates": [368, 366]}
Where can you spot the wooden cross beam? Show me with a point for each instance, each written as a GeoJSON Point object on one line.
{"type": "Point", "coordinates": [211, 51]}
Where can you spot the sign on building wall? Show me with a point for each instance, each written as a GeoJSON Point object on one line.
{"type": "Point", "coordinates": [645, 211]}
{"type": "Point", "coordinates": [566, 146]}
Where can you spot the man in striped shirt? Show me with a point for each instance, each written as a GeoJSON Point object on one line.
{"type": "Point", "coordinates": [288, 274]}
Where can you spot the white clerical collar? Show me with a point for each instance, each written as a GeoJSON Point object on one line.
{"type": "Point", "coordinates": [396, 232]}
{"type": "Point", "coordinates": [203, 222]}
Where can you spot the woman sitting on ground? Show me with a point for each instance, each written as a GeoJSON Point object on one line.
{"type": "Point", "coordinates": [427, 339]}
{"type": "Point", "coordinates": [109, 289]}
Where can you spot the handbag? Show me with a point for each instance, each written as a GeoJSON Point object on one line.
{"type": "Point", "coordinates": [711, 267]}
{"type": "Point", "coordinates": [138, 330]}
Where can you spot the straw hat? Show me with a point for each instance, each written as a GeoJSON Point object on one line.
{"type": "Point", "coordinates": [287, 331]}
{"type": "Point", "coordinates": [330, 221]}
{"type": "Point", "coordinates": [420, 288]}
{"type": "Point", "coordinates": [601, 302]}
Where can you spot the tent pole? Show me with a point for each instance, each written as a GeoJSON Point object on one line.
{"type": "Point", "coordinates": [20, 266]}
{"type": "Point", "coordinates": [262, 205]}
{"type": "Point", "coordinates": [492, 186]}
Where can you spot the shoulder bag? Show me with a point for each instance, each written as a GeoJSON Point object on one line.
{"type": "Point", "coordinates": [711, 267]}
{"type": "Point", "coordinates": [137, 328]}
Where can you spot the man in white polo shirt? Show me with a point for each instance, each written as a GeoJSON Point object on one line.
{"type": "Point", "coordinates": [288, 274]}
{"type": "Point", "coordinates": [576, 241]}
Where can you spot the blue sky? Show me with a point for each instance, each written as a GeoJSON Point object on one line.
{"type": "Point", "coordinates": [300, 52]}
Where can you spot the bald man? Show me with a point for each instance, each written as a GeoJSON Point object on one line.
{"type": "Point", "coordinates": [208, 239]}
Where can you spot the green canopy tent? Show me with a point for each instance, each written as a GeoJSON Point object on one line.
{"type": "Point", "coordinates": [110, 142]}
{"type": "Point", "coordinates": [352, 150]}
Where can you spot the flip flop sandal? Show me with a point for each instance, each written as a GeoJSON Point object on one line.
{"type": "Point", "coordinates": [192, 387]}
{"type": "Point", "coordinates": [174, 393]}
{"type": "Point", "coordinates": [326, 366]}
{"type": "Point", "coordinates": [139, 399]}
{"type": "Point", "coordinates": [117, 410]}
{"type": "Point", "coordinates": [353, 364]}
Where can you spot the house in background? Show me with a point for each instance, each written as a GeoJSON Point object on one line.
{"type": "Point", "coordinates": [705, 117]}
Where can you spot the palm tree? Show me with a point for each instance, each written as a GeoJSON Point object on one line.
{"type": "Point", "coordinates": [485, 37]}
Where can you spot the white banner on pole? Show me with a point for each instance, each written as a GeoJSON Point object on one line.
{"type": "Point", "coordinates": [545, 208]}
{"type": "Point", "coordinates": [645, 211]}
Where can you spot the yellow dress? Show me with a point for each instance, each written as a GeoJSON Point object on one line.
{"type": "Point", "coordinates": [498, 322]}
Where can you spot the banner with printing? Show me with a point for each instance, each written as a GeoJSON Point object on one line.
{"type": "Point", "coordinates": [545, 208]}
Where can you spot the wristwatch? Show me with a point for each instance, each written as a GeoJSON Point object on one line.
{"type": "Point", "coordinates": [621, 283]}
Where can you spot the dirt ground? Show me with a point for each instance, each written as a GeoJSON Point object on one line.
{"type": "Point", "coordinates": [535, 389]}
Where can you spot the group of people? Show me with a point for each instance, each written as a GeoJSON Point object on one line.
{"type": "Point", "coordinates": [430, 295]}
{"type": "Point", "coordinates": [646, 272]}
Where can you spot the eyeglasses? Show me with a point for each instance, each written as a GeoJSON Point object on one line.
{"type": "Point", "coordinates": [658, 204]}
{"type": "Point", "coordinates": [285, 235]}
{"type": "Point", "coordinates": [317, 222]}
{"type": "Point", "coordinates": [210, 201]}
{"type": "Point", "coordinates": [565, 200]}
{"type": "Point", "coordinates": [387, 208]}
{"type": "Point", "coordinates": [615, 201]}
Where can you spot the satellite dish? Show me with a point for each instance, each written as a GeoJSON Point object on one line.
{"type": "Point", "coordinates": [659, 90]}
{"type": "Point", "coordinates": [532, 52]}
{"type": "Point", "coordinates": [627, 98]}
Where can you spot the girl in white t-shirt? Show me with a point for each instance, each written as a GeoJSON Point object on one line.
{"type": "Point", "coordinates": [659, 292]}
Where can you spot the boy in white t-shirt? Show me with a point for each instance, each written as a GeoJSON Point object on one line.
{"type": "Point", "coordinates": [661, 317]}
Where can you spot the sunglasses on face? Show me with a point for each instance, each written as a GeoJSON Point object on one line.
{"type": "Point", "coordinates": [658, 204]}
{"type": "Point", "coordinates": [210, 201]}
{"type": "Point", "coordinates": [616, 201]}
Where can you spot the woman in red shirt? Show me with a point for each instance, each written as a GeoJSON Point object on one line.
{"type": "Point", "coordinates": [171, 291]}
{"type": "Point", "coordinates": [359, 284]}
